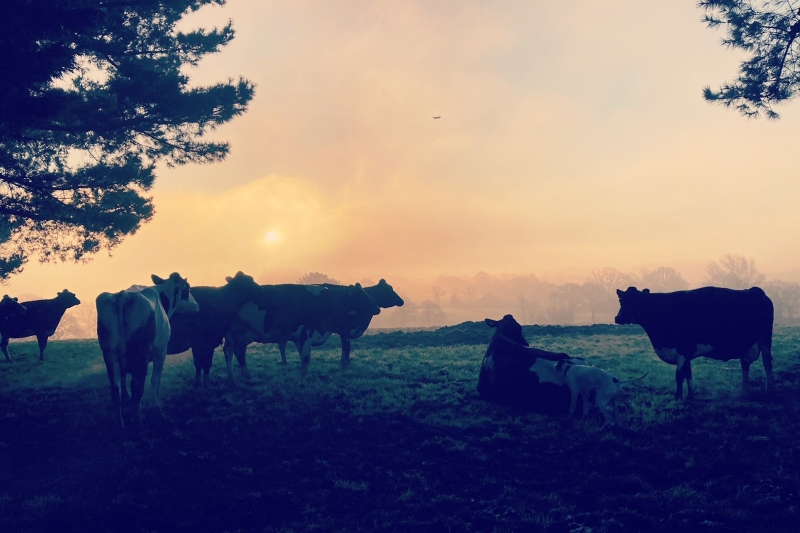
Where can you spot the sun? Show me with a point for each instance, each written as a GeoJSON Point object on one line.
{"type": "Point", "coordinates": [272, 237]}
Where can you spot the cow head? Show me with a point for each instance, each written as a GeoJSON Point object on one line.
{"type": "Point", "coordinates": [244, 288]}
{"type": "Point", "coordinates": [359, 302]}
{"type": "Point", "coordinates": [630, 303]}
{"type": "Point", "coordinates": [10, 307]}
{"type": "Point", "coordinates": [383, 294]}
{"type": "Point", "coordinates": [175, 294]}
{"type": "Point", "coordinates": [67, 299]}
{"type": "Point", "coordinates": [509, 328]}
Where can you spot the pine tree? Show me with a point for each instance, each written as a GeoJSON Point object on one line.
{"type": "Point", "coordinates": [768, 31]}
{"type": "Point", "coordinates": [94, 94]}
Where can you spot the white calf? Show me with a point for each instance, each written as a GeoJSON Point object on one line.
{"type": "Point", "coordinates": [582, 380]}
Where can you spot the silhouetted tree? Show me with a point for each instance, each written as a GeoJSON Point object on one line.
{"type": "Point", "coordinates": [785, 297]}
{"type": "Point", "coordinates": [767, 30]}
{"type": "Point", "coordinates": [94, 94]}
{"type": "Point", "coordinates": [611, 279]}
{"type": "Point", "coordinates": [437, 292]}
{"type": "Point", "coordinates": [598, 299]}
{"type": "Point", "coordinates": [664, 279]}
{"type": "Point", "coordinates": [431, 313]}
{"type": "Point", "coordinates": [523, 305]}
{"type": "Point", "coordinates": [734, 272]}
{"type": "Point", "coordinates": [564, 301]}
{"type": "Point", "coordinates": [316, 277]}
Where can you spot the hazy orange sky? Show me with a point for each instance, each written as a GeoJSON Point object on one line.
{"type": "Point", "coordinates": [573, 136]}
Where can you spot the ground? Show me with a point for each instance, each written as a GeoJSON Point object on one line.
{"type": "Point", "coordinates": [400, 441]}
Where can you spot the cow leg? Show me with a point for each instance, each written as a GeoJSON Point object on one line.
{"type": "Point", "coordinates": [573, 401]}
{"type": "Point", "coordinates": [198, 367]}
{"type": "Point", "coordinates": [42, 345]}
{"type": "Point", "coordinates": [745, 376]}
{"type": "Point", "coordinates": [585, 397]}
{"type": "Point", "coordinates": [138, 377]}
{"type": "Point", "coordinates": [4, 346]}
{"type": "Point", "coordinates": [227, 349]}
{"type": "Point", "coordinates": [683, 371]}
{"type": "Point", "coordinates": [766, 354]}
{"type": "Point", "coordinates": [305, 354]}
{"type": "Point", "coordinates": [113, 371]}
{"type": "Point", "coordinates": [345, 349]}
{"type": "Point", "coordinates": [282, 348]}
{"type": "Point", "coordinates": [241, 357]}
{"type": "Point", "coordinates": [155, 379]}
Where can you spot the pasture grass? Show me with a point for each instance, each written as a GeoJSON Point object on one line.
{"type": "Point", "coordinates": [400, 441]}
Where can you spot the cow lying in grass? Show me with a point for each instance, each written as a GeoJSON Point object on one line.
{"type": "Point", "coordinates": [584, 380]}
{"type": "Point", "coordinates": [512, 373]}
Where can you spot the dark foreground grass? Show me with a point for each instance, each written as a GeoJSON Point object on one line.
{"type": "Point", "coordinates": [399, 442]}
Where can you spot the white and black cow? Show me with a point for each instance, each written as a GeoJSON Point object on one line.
{"type": "Point", "coordinates": [202, 332]}
{"type": "Point", "coordinates": [513, 373]}
{"type": "Point", "coordinates": [305, 314]}
{"type": "Point", "coordinates": [384, 297]}
{"type": "Point", "coordinates": [41, 318]}
{"type": "Point", "coordinates": [133, 329]}
{"type": "Point", "coordinates": [722, 324]}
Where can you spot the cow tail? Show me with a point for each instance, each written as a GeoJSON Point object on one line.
{"type": "Point", "coordinates": [634, 379]}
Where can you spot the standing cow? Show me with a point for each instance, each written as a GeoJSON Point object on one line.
{"type": "Point", "coordinates": [722, 324]}
{"type": "Point", "coordinates": [133, 329]}
{"type": "Point", "coordinates": [305, 314]}
{"type": "Point", "coordinates": [205, 330]}
{"type": "Point", "coordinates": [41, 318]}
{"type": "Point", "coordinates": [513, 373]}
{"type": "Point", "coordinates": [384, 297]}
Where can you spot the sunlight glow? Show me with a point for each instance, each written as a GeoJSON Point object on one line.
{"type": "Point", "coordinates": [272, 237]}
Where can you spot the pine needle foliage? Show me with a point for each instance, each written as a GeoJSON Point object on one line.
{"type": "Point", "coordinates": [95, 94]}
{"type": "Point", "coordinates": [767, 30]}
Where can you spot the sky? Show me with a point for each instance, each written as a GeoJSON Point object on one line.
{"type": "Point", "coordinates": [573, 136]}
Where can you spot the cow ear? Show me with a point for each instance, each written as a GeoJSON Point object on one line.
{"type": "Point", "coordinates": [358, 285]}
{"type": "Point", "coordinates": [228, 279]}
{"type": "Point", "coordinates": [382, 282]}
{"type": "Point", "coordinates": [646, 291]}
{"type": "Point", "coordinates": [619, 293]}
{"type": "Point", "coordinates": [157, 280]}
{"type": "Point", "coordinates": [491, 323]}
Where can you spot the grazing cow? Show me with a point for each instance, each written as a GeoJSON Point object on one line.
{"type": "Point", "coordinates": [305, 314]}
{"type": "Point", "coordinates": [514, 373]}
{"type": "Point", "coordinates": [205, 330]}
{"type": "Point", "coordinates": [722, 324]}
{"type": "Point", "coordinates": [384, 297]}
{"type": "Point", "coordinates": [41, 318]}
{"type": "Point", "coordinates": [584, 380]}
{"type": "Point", "coordinates": [133, 329]}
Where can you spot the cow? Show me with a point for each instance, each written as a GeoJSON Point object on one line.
{"type": "Point", "coordinates": [133, 329]}
{"type": "Point", "coordinates": [9, 307]}
{"type": "Point", "coordinates": [585, 380]}
{"type": "Point", "coordinates": [205, 330]}
{"type": "Point", "coordinates": [41, 318]}
{"type": "Point", "coordinates": [305, 314]}
{"type": "Point", "coordinates": [513, 373]}
{"type": "Point", "coordinates": [384, 297]}
{"type": "Point", "coordinates": [722, 324]}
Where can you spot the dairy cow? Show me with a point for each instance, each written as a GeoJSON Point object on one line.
{"type": "Point", "coordinates": [514, 373]}
{"type": "Point", "coordinates": [133, 329]}
{"type": "Point", "coordinates": [305, 314]}
{"type": "Point", "coordinates": [9, 307]}
{"type": "Point", "coordinates": [41, 318]}
{"type": "Point", "coordinates": [713, 322]}
{"type": "Point", "coordinates": [384, 297]}
{"type": "Point", "coordinates": [203, 331]}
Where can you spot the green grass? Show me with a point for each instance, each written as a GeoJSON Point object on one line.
{"type": "Point", "coordinates": [400, 441]}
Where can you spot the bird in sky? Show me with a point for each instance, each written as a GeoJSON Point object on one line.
{"type": "Point", "coordinates": [436, 118]}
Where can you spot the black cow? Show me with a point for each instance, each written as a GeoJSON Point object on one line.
{"type": "Point", "coordinates": [514, 373]}
{"type": "Point", "coordinates": [305, 314]}
{"type": "Point", "coordinates": [722, 324]}
{"type": "Point", "coordinates": [384, 297]}
{"type": "Point", "coordinates": [204, 331]}
{"type": "Point", "coordinates": [41, 318]}
{"type": "Point", "coordinates": [9, 307]}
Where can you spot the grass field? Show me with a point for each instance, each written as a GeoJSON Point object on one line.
{"type": "Point", "coordinates": [401, 441]}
